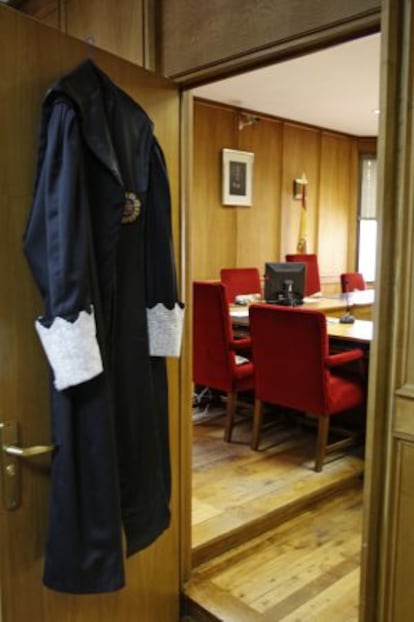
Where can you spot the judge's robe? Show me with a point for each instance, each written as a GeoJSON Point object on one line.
{"type": "Point", "coordinates": [98, 241]}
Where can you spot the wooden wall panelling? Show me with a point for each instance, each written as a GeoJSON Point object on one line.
{"type": "Point", "coordinates": [46, 11]}
{"type": "Point", "coordinates": [114, 26]}
{"type": "Point", "coordinates": [249, 236]}
{"type": "Point", "coordinates": [218, 34]}
{"type": "Point", "coordinates": [122, 28]}
{"type": "Point", "coordinates": [334, 205]}
{"type": "Point", "coordinates": [258, 226]}
{"type": "Point", "coordinates": [301, 148]}
{"type": "Point", "coordinates": [214, 225]}
{"type": "Point", "coordinates": [34, 56]}
{"type": "Point", "coordinates": [353, 205]}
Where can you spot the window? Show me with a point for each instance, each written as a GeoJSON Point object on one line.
{"type": "Point", "coordinates": [367, 219]}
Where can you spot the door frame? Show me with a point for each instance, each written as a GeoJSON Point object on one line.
{"type": "Point", "coordinates": [377, 457]}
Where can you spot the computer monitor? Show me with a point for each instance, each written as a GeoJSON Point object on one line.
{"type": "Point", "coordinates": [285, 283]}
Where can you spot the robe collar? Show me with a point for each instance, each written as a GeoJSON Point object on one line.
{"type": "Point", "coordinates": [93, 93]}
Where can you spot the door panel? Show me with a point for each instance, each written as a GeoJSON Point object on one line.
{"type": "Point", "coordinates": [33, 56]}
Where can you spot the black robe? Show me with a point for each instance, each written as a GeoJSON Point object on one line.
{"type": "Point", "coordinates": [98, 240]}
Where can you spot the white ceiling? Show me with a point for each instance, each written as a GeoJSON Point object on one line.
{"type": "Point", "coordinates": [336, 88]}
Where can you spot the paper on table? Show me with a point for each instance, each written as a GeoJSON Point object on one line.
{"type": "Point", "coordinates": [332, 320]}
{"type": "Point", "coordinates": [311, 299]}
{"type": "Point", "coordinates": [239, 312]}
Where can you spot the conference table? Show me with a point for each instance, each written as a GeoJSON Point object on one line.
{"type": "Point", "coordinates": [359, 302]}
{"type": "Point", "coordinates": [359, 332]}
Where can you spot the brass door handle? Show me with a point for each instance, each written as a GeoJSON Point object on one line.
{"type": "Point", "coordinates": [27, 452]}
{"type": "Point", "coordinates": [10, 464]}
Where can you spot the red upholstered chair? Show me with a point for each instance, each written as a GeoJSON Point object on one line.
{"type": "Point", "coordinates": [351, 281]}
{"type": "Point", "coordinates": [313, 281]}
{"type": "Point", "coordinates": [214, 349]}
{"type": "Point", "coordinates": [293, 368]}
{"type": "Point", "coordinates": [240, 281]}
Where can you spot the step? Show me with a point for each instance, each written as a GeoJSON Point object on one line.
{"type": "Point", "coordinates": [306, 568]}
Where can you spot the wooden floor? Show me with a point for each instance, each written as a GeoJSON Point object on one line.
{"type": "Point", "coordinates": [305, 570]}
{"type": "Point", "coordinates": [239, 493]}
{"type": "Point", "coordinates": [272, 539]}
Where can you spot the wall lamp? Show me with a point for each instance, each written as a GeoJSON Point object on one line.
{"type": "Point", "coordinates": [246, 119]}
{"type": "Point", "coordinates": [299, 187]}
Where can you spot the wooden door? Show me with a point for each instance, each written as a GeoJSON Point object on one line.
{"type": "Point", "coordinates": [32, 57]}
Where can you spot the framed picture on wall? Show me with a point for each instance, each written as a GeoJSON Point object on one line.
{"type": "Point", "coordinates": [237, 177]}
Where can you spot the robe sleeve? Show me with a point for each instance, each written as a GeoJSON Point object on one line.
{"type": "Point", "coordinates": [56, 245]}
{"type": "Point", "coordinates": [165, 313]}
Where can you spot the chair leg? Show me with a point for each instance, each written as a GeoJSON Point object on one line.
{"type": "Point", "coordinates": [230, 411]}
{"type": "Point", "coordinates": [323, 432]}
{"type": "Point", "coordinates": [257, 424]}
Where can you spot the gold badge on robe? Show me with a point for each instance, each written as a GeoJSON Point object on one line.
{"type": "Point", "coordinates": [132, 208]}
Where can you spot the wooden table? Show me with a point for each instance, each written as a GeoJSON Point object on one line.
{"type": "Point", "coordinates": [360, 304]}
{"type": "Point", "coordinates": [359, 332]}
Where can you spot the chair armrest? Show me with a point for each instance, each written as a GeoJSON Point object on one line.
{"type": "Point", "coordinates": [344, 357]}
{"type": "Point", "coordinates": [241, 344]}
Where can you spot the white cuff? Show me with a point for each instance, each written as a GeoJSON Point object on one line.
{"type": "Point", "coordinates": [165, 328]}
{"type": "Point", "coordinates": [72, 349]}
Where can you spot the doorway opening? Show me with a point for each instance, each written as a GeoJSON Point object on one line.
{"type": "Point", "coordinates": [228, 483]}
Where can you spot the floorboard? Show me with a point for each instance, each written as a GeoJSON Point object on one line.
{"type": "Point", "coordinates": [305, 569]}
{"type": "Point", "coordinates": [239, 493]}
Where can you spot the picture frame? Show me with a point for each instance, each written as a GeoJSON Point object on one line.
{"type": "Point", "coordinates": [237, 177]}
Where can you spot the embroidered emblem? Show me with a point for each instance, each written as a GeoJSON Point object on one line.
{"type": "Point", "coordinates": [132, 208]}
